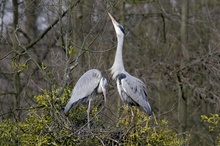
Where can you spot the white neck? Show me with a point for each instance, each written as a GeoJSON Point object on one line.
{"type": "Point", "coordinates": [99, 89]}
{"type": "Point", "coordinates": [118, 65]}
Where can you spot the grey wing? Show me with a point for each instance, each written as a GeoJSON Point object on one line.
{"type": "Point", "coordinates": [136, 90]}
{"type": "Point", "coordinates": [84, 87]}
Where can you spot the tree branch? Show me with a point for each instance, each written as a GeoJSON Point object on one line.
{"type": "Point", "coordinates": [51, 26]}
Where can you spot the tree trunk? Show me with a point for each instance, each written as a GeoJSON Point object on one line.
{"type": "Point", "coordinates": [16, 78]}
{"type": "Point", "coordinates": [185, 56]}
{"type": "Point", "coordinates": [31, 18]}
{"type": "Point", "coordinates": [184, 29]}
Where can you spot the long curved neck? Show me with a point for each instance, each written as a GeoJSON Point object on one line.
{"type": "Point", "coordinates": [118, 65]}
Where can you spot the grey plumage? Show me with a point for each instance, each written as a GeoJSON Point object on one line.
{"type": "Point", "coordinates": [89, 84]}
{"type": "Point", "coordinates": [131, 89]}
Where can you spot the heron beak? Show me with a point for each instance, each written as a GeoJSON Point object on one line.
{"type": "Point", "coordinates": [104, 94]}
{"type": "Point", "coordinates": [113, 20]}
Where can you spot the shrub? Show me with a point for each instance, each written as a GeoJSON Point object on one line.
{"type": "Point", "coordinates": [46, 124]}
{"type": "Point", "coordinates": [213, 123]}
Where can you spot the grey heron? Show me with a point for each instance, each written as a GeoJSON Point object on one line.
{"type": "Point", "coordinates": [88, 85]}
{"type": "Point", "coordinates": [131, 89]}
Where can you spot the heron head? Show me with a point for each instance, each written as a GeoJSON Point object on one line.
{"type": "Point", "coordinates": [104, 84]}
{"type": "Point", "coordinates": [118, 27]}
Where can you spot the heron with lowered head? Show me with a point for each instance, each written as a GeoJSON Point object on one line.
{"type": "Point", "coordinates": [89, 84]}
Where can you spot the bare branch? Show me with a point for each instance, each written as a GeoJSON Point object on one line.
{"type": "Point", "coordinates": [51, 26]}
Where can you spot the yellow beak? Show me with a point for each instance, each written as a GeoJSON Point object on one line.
{"type": "Point", "coordinates": [113, 20]}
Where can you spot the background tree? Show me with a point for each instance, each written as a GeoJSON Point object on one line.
{"type": "Point", "coordinates": [47, 45]}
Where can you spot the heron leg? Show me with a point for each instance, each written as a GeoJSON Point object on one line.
{"type": "Point", "coordinates": [132, 115]}
{"type": "Point", "coordinates": [88, 112]}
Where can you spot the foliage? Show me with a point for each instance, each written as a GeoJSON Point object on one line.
{"type": "Point", "coordinates": [45, 124]}
{"type": "Point", "coordinates": [213, 123]}
{"type": "Point", "coordinates": [142, 130]}
{"type": "Point", "coordinates": [19, 67]}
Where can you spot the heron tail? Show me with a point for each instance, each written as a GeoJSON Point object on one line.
{"type": "Point", "coordinates": [67, 107]}
{"type": "Point", "coordinates": [147, 108]}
